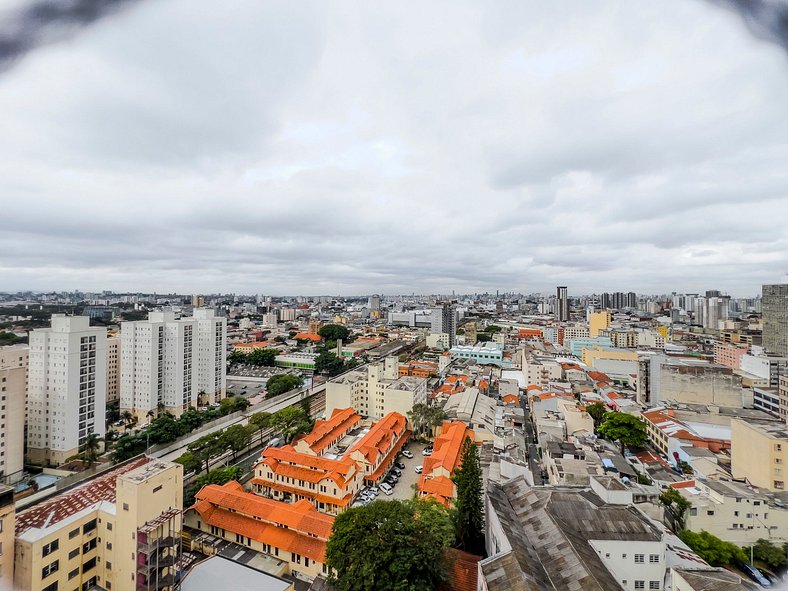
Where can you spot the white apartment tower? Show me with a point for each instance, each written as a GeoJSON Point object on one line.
{"type": "Point", "coordinates": [167, 362]}
{"type": "Point", "coordinates": [67, 388]}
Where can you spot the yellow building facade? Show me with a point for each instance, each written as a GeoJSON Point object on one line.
{"type": "Point", "coordinates": [759, 454]}
{"type": "Point", "coordinates": [120, 531]}
{"type": "Point", "coordinates": [597, 322]}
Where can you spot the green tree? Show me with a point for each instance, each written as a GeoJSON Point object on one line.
{"type": "Point", "coordinates": [469, 506]}
{"type": "Point", "coordinates": [260, 421]}
{"type": "Point", "coordinates": [217, 476]}
{"type": "Point", "coordinates": [773, 556]}
{"type": "Point", "coordinates": [393, 545]}
{"type": "Point", "coordinates": [627, 429]}
{"type": "Point", "coordinates": [334, 332]}
{"type": "Point", "coordinates": [127, 447]}
{"type": "Point", "coordinates": [236, 438]}
{"type": "Point", "coordinates": [422, 416]}
{"type": "Point", "coordinates": [237, 357]}
{"type": "Point", "coordinates": [128, 419]}
{"type": "Point", "coordinates": [712, 549]}
{"type": "Point", "coordinates": [207, 447]}
{"type": "Point", "coordinates": [492, 329]}
{"type": "Point", "coordinates": [676, 504]}
{"type": "Point", "coordinates": [597, 411]}
{"type": "Point", "coordinates": [281, 383]}
{"type": "Point", "coordinates": [483, 337]}
{"type": "Point", "coordinates": [328, 363]}
{"type": "Point", "coordinates": [163, 429]}
{"type": "Point", "coordinates": [290, 422]}
{"type": "Point", "coordinates": [262, 357]}
{"type": "Point", "coordinates": [190, 461]}
{"type": "Point", "coordinates": [190, 420]}
{"type": "Point", "coordinates": [90, 449]}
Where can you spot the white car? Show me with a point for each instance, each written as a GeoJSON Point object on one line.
{"type": "Point", "coordinates": [406, 453]}
{"type": "Point", "coordinates": [419, 469]}
{"type": "Point", "coordinates": [386, 488]}
{"type": "Point", "coordinates": [427, 452]}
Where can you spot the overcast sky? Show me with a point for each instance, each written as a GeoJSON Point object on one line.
{"type": "Point", "coordinates": [357, 147]}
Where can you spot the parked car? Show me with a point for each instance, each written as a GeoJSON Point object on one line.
{"type": "Point", "coordinates": [754, 574]}
{"type": "Point", "coordinates": [386, 489]}
{"type": "Point", "coordinates": [407, 453]}
{"type": "Point", "coordinates": [426, 452]}
{"type": "Point", "coordinates": [400, 465]}
{"type": "Point", "coordinates": [397, 471]}
{"type": "Point", "coordinates": [374, 490]}
{"type": "Point", "coordinates": [419, 469]}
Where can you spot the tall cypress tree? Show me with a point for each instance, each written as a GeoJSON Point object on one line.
{"type": "Point", "coordinates": [469, 506]}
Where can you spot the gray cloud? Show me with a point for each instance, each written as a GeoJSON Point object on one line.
{"type": "Point", "coordinates": [346, 148]}
{"type": "Point", "coordinates": [766, 19]}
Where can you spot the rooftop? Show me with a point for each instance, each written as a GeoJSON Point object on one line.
{"type": "Point", "coordinates": [50, 512]}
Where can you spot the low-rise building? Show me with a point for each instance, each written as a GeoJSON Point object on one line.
{"type": "Point", "coordinates": [541, 539]}
{"type": "Point", "coordinates": [759, 454]}
{"type": "Point", "coordinates": [120, 530]}
{"type": "Point", "coordinates": [435, 481]}
{"type": "Point", "coordinates": [488, 353]}
{"type": "Point", "coordinates": [328, 433]}
{"type": "Point", "coordinates": [733, 512]}
{"type": "Point", "coordinates": [670, 435]}
{"type": "Point", "coordinates": [474, 409]}
{"type": "Point", "coordinates": [287, 475]}
{"type": "Point", "coordinates": [296, 533]}
{"type": "Point", "coordinates": [377, 449]}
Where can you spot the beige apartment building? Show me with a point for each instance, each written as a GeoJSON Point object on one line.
{"type": "Point", "coordinates": [13, 407]}
{"type": "Point", "coordinates": [7, 517]}
{"type": "Point", "coordinates": [113, 369]}
{"type": "Point", "coordinates": [376, 391]}
{"type": "Point", "coordinates": [759, 454]}
{"type": "Point", "coordinates": [733, 512]}
{"type": "Point", "coordinates": [120, 531]}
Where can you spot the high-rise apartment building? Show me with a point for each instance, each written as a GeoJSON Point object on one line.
{"type": "Point", "coordinates": [166, 363]}
{"type": "Point", "coordinates": [119, 531]}
{"type": "Point", "coordinates": [562, 304]}
{"type": "Point", "coordinates": [774, 305]}
{"type": "Point", "coordinates": [67, 388]}
{"type": "Point", "coordinates": [13, 399]}
{"type": "Point", "coordinates": [113, 369]}
{"type": "Point", "coordinates": [443, 320]}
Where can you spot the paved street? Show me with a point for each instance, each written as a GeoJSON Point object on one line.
{"type": "Point", "coordinates": [405, 488]}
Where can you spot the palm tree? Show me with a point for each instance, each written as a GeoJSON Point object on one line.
{"type": "Point", "coordinates": [90, 449]}
{"type": "Point", "coordinates": [128, 419]}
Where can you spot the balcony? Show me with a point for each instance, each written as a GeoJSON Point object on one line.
{"type": "Point", "coordinates": [154, 564]}
{"type": "Point", "coordinates": [156, 544]}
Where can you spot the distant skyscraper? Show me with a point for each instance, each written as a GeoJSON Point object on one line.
{"type": "Point", "coordinates": [562, 304]}
{"type": "Point", "coordinates": [67, 387]}
{"type": "Point", "coordinates": [774, 304]}
{"type": "Point", "coordinates": [444, 321]}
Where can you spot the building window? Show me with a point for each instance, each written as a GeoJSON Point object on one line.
{"type": "Point", "coordinates": [49, 569]}
{"type": "Point", "coordinates": [89, 526]}
{"type": "Point", "coordinates": [52, 587]}
{"type": "Point", "coordinates": [73, 574]}
{"type": "Point", "coordinates": [73, 554]}
{"type": "Point", "coordinates": [640, 584]}
{"type": "Point", "coordinates": [653, 558]}
{"type": "Point", "coordinates": [89, 565]}
{"type": "Point", "coordinates": [639, 558]}
{"type": "Point", "coordinates": [73, 533]}
{"type": "Point", "coordinates": [49, 548]}
{"type": "Point", "coordinates": [653, 584]}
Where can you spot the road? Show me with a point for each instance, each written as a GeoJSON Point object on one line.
{"type": "Point", "coordinates": [533, 451]}
{"type": "Point", "coordinates": [271, 406]}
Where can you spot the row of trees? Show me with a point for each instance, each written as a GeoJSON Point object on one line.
{"type": "Point", "coordinates": [423, 417]}
{"type": "Point", "coordinates": [402, 544]}
{"type": "Point", "coordinates": [166, 428]}
{"type": "Point", "coordinates": [281, 383]}
{"type": "Point", "coordinates": [259, 357]}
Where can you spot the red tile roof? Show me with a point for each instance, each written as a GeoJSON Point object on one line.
{"type": "Point", "coordinates": [446, 454]}
{"type": "Point", "coordinates": [380, 438]}
{"type": "Point", "coordinates": [324, 432]}
{"type": "Point", "coordinates": [308, 336]}
{"type": "Point", "coordinates": [66, 504]}
{"type": "Point", "coordinates": [289, 462]}
{"type": "Point", "coordinates": [463, 571]}
{"type": "Point", "coordinates": [297, 527]}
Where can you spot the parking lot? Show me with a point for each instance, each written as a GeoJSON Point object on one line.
{"type": "Point", "coordinates": [405, 488]}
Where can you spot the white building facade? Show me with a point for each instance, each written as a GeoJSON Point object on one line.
{"type": "Point", "coordinates": [167, 362]}
{"type": "Point", "coordinates": [67, 388]}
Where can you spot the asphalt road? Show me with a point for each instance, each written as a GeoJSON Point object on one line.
{"type": "Point", "coordinates": [533, 452]}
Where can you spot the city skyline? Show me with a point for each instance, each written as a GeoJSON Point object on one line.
{"type": "Point", "coordinates": [507, 146]}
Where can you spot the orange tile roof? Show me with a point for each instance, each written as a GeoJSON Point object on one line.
{"type": "Point", "coordinates": [463, 571]}
{"type": "Point", "coordinates": [440, 486]}
{"type": "Point", "coordinates": [300, 516]}
{"type": "Point", "coordinates": [324, 432]}
{"type": "Point", "coordinates": [510, 399]}
{"type": "Point", "coordinates": [308, 336]}
{"type": "Point", "coordinates": [483, 384]}
{"type": "Point", "coordinates": [447, 450]}
{"type": "Point", "coordinates": [385, 464]}
{"type": "Point", "coordinates": [383, 434]}
{"type": "Point", "coordinates": [288, 462]}
{"type": "Point", "coordinates": [290, 527]}
{"type": "Point", "coordinates": [685, 484]}
{"type": "Point", "coordinates": [534, 387]}
{"type": "Point", "coordinates": [294, 490]}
